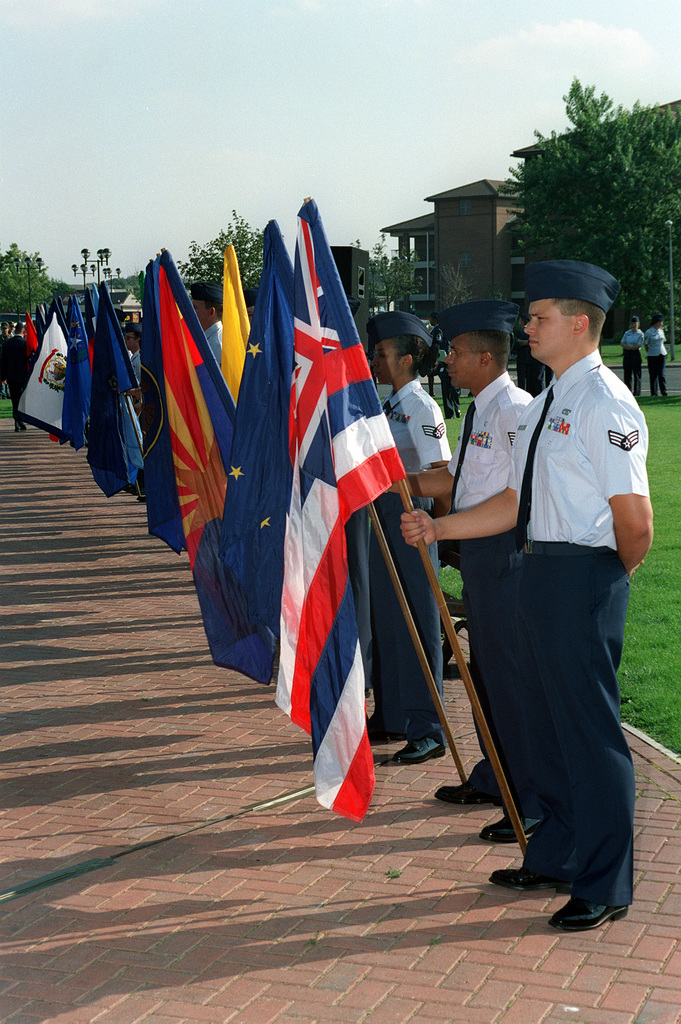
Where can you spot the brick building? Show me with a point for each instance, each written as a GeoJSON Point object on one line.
{"type": "Point", "coordinates": [465, 243]}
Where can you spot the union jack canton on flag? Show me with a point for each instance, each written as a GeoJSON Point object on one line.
{"type": "Point", "coordinates": [343, 456]}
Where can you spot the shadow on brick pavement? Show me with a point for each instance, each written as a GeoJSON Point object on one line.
{"type": "Point", "coordinates": [118, 729]}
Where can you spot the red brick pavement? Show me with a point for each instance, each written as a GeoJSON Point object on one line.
{"type": "Point", "coordinates": [118, 728]}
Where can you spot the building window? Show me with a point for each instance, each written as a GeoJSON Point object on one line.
{"type": "Point", "coordinates": [465, 207]}
{"type": "Point", "coordinates": [466, 259]}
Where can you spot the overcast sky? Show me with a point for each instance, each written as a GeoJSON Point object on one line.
{"type": "Point", "coordinates": [141, 124]}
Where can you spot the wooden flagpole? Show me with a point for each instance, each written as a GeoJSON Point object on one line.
{"type": "Point", "coordinates": [467, 681]}
{"type": "Point", "coordinates": [416, 639]}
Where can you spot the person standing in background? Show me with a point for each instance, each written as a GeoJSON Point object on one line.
{"type": "Point", "coordinates": [632, 343]}
{"type": "Point", "coordinates": [654, 341]}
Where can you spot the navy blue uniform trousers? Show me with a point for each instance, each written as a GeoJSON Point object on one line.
{"type": "Point", "coordinates": [490, 569]}
{"type": "Point", "coordinates": [572, 611]}
{"type": "Point", "coordinates": [401, 695]}
{"type": "Point", "coordinates": [357, 537]}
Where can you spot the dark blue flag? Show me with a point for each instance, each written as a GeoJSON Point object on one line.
{"type": "Point", "coordinates": [78, 381]}
{"type": "Point", "coordinates": [91, 302]}
{"type": "Point", "coordinates": [163, 506]}
{"type": "Point", "coordinates": [200, 414]}
{"type": "Point", "coordinates": [40, 322]}
{"type": "Point", "coordinates": [260, 475]}
{"type": "Point", "coordinates": [112, 373]}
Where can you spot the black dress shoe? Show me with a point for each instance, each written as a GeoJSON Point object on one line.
{"type": "Point", "coordinates": [525, 880]}
{"type": "Point", "coordinates": [384, 736]}
{"type": "Point", "coordinates": [502, 830]}
{"type": "Point", "coordinates": [419, 750]}
{"type": "Point", "coordinates": [467, 793]}
{"type": "Point", "coordinates": [579, 915]}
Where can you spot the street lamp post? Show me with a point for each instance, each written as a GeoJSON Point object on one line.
{"type": "Point", "coordinates": [27, 261]}
{"type": "Point", "coordinates": [103, 256]}
{"type": "Point", "coordinates": [85, 253]}
{"type": "Point", "coordinates": [668, 225]}
{"type": "Point", "coordinates": [17, 263]}
{"type": "Point", "coordinates": [28, 264]}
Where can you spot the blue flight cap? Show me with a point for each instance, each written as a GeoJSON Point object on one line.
{"type": "Point", "coordinates": [483, 315]}
{"type": "Point", "coordinates": [131, 327]}
{"type": "Point", "coordinates": [250, 295]}
{"type": "Point", "coordinates": [571, 279]}
{"type": "Point", "coordinates": [393, 324]}
{"type": "Point", "coordinates": [206, 291]}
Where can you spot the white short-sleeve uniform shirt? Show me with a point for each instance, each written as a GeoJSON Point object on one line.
{"type": "Point", "coordinates": [417, 426]}
{"type": "Point", "coordinates": [487, 462]}
{"type": "Point", "coordinates": [592, 446]}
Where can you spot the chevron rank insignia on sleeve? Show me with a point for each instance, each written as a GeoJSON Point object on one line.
{"type": "Point", "coordinates": [624, 441]}
{"type": "Point", "coordinates": [433, 431]}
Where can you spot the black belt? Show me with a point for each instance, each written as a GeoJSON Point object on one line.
{"type": "Point", "coordinates": [562, 548]}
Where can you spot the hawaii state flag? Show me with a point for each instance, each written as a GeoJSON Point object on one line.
{"type": "Point", "coordinates": [200, 416]}
{"type": "Point", "coordinates": [343, 457]}
{"type": "Point", "coordinates": [42, 400]}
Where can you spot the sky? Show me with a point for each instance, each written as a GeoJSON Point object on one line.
{"type": "Point", "coordinates": [137, 125]}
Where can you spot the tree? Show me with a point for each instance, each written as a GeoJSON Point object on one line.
{"type": "Point", "coordinates": [14, 280]}
{"type": "Point", "coordinates": [206, 262]}
{"type": "Point", "coordinates": [392, 278]}
{"type": "Point", "coordinates": [602, 191]}
{"type": "Point", "coordinates": [455, 287]}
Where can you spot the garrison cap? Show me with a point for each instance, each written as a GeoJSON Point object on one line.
{"type": "Point", "coordinates": [571, 279]}
{"type": "Point", "coordinates": [207, 291]}
{"type": "Point", "coordinates": [353, 303]}
{"type": "Point", "coordinates": [393, 324]}
{"type": "Point", "coordinates": [131, 327]}
{"type": "Point", "coordinates": [657, 318]}
{"type": "Point", "coordinates": [250, 295]}
{"type": "Point", "coordinates": [483, 315]}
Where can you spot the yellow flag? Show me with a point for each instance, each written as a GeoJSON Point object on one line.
{"type": "Point", "coordinates": [235, 324]}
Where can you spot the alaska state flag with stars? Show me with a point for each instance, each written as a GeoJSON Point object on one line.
{"type": "Point", "coordinates": [200, 418]}
{"type": "Point", "coordinates": [260, 474]}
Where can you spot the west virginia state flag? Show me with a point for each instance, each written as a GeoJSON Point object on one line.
{"type": "Point", "coordinates": [43, 398]}
{"type": "Point", "coordinates": [200, 416]}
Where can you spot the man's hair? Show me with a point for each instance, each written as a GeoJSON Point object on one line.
{"type": "Point", "coordinates": [578, 307]}
{"type": "Point", "coordinates": [497, 343]}
{"type": "Point", "coordinates": [217, 306]}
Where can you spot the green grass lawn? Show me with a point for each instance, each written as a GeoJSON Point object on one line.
{"type": "Point", "coordinates": [650, 675]}
{"type": "Point", "coordinates": [5, 408]}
